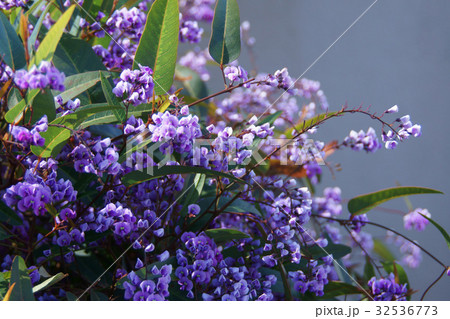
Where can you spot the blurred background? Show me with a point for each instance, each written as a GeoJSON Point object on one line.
{"type": "Point", "coordinates": [398, 53]}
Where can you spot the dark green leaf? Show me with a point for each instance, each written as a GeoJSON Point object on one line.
{"type": "Point", "coordinates": [223, 235]}
{"type": "Point", "coordinates": [19, 275]}
{"type": "Point", "coordinates": [339, 288]}
{"type": "Point", "coordinates": [74, 56]}
{"type": "Point", "coordinates": [225, 43]}
{"type": "Point", "coordinates": [194, 192]}
{"type": "Point", "coordinates": [49, 282]}
{"type": "Point", "coordinates": [337, 250]}
{"type": "Point", "coordinates": [74, 120]}
{"type": "Point", "coordinates": [112, 99]}
{"type": "Point", "coordinates": [441, 229]}
{"type": "Point", "coordinates": [271, 118]}
{"type": "Point", "coordinates": [98, 296]}
{"type": "Point", "coordinates": [9, 216]}
{"type": "Point", "coordinates": [11, 48]}
{"type": "Point", "coordinates": [364, 203]}
{"type": "Point", "coordinates": [159, 43]}
{"type": "Point", "coordinates": [137, 177]}
{"type": "Point", "coordinates": [369, 270]}
{"type": "Point", "coordinates": [48, 45]}
{"type": "Point", "coordinates": [55, 139]}
{"type": "Point", "coordinates": [70, 296]}
{"type": "Point", "coordinates": [79, 83]}
{"type": "Point", "coordinates": [4, 235]}
{"type": "Point", "coordinates": [43, 104]}
{"type": "Point", "coordinates": [342, 271]}
{"type": "Point", "coordinates": [37, 27]}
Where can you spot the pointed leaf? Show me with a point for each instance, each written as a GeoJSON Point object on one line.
{"type": "Point", "coordinates": [55, 139]}
{"type": "Point", "coordinates": [19, 275]}
{"type": "Point", "coordinates": [37, 27]}
{"type": "Point", "coordinates": [364, 203]}
{"type": "Point", "coordinates": [14, 115]}
{"type": "Point", "coordinates": [112, 99]}
{"type": "Point", "coordinates": [79, 83]}
{"type": "Point", "coordinates": [441, 229]}
{"type": "Point", "coordinates": [49, 282]}
{"type": "Point", "coordinates": [223, 235]}
{"type": "Point", "coordinates": [48, 45]}
{"type": "Point", "coordinates": [225, 43]}
{"type": "Point", "coordinates": [137, 177]}
{"type": "Point", "coordinates": [11, 48]}
{"type": "Point", "coordinates": [159, 43]}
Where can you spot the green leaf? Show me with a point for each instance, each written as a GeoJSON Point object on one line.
{"type": "Point", "coordinates": [43, 104]}
{"type": "Point", "coordinates": [3, 234]}
{"type": "Point", "coordinates": [441, 229]}
{"type": "Point", "coordinates": [237, 206]}
{"type": "Point", "coordinates": [339, 288]}
{"type": "Point", "coordinates": [11, 48]}
{"type": "Point", "coordinates": [48, 45]}
{"type": "Point", "coordinates": [98, 296]}
{"type": "Point", "coordinates": [225, 43]}
{"type": "Point", "coordinates": [7, 215]}
{"type": "Point", "coordinates": [337, 250]}
{"type": "Point", "coordinates": [55, 139]}
{"type": "Point", "coordinates": [49, 282]}
{"type": "Point", "coordinates": [107, 117]}
{"type": "Point", "coordinates": [159, 43]}
{"type": "Point", "coordinates": [136, 148]}
{"type": "Point", "coordinates": [79, 83]}
{"type": "Point", "coordinates": [37, 27]}
{"type": "Point", "coordinates": [112, 99]}
{"type": "Point", "coordinates": [308, 123]}
{"type": "Point", "coordinates": [74, 120]}
{"type": "Point", "coordinates": [364, 203]}
{"type": "Point", "coordinates": [271, 118]}
{"type": "Point", "coordinates": [194, 193]}
{"type": "Point", "coordinates": [381, 250]}
{"type": "Point", "coordinates": [223, 235]}
{"type": "Point", "coordinates": [15, 113]}
{"type": "Point", "coordinates": [19, 275]}
{"type": "Point", "coordinates": [3, 285]}
{"type": "Point", "coordinates": [137, 177]}
{"type": "Point", "coordinates": [369, 270]}
{"type": "Point", "coordinates": [74, 56]}
{"type": "Point", "coordinates": [70, 296]}
{"type": "Point", "coordinates": [192, 82]}
{"type": "Point", "coordinates": [342, 271]}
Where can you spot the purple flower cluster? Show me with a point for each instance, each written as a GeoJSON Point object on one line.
{"type": "Point", "coordinates": [136, 85]}
{"type": "Point", "coordinates": [9, 4]}
{"type": "Point", "coordinates": [330, 204]}
{"type": "Point", "coordinates": [30, 137]}
{"type": "Point", "coordinates": [154, 286]}
{"type": "Point", "coordinates": [358, 222]}
{"type": "Point", "coordinates": [190, 32]}
{"type": "Point", "coordinates": [404, 130]}
{"type": "Point", "coordinates": [315, 279]}
{"type": "Point", "coordinates": [196, 60]}
{"type": "Point", "coordinates": [359, 141]}
{"type": "Point", "coordinates": [236, 73]}
{"type": "Point", "coordinates": [34, 193]}
{"type": "Point", "coordinates": [199, 10]}
{"type": "Point", "coordinates": [415, 220]}
{"type": "Point", "coordinates": [6, 73]}
{"type": "Point", "coordinates": [44, 76]}
{"type": "Point", "coordinates": [175, 134]}
{"type": "Point", "coordinates": [386, 289]}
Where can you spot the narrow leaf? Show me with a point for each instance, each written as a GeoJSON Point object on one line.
{"type": "Point", "coordinates": [11, 48]}
{"type": "Point", "coordinates": [441, 229]}
{"type": "Point", "coordinates": [49, 282]}
{"type": "Point", "coordinates": [222, 235]}
{"type": "Point", "coordinates": [137, 177]}
{"type": "Point", "coordinates": [14, 115]}
{"type": "Point", "coordinates": [48, 45]}
{"type": "Point", "coordinates": [225, 43]}
{"type": "Point", "coordinates": [364, 203]}
{"type": "Point", "coordinates": [159, 43]}
{"type": "Point", "coordinates": [37, 27]}
{"type": "Point", "coordinates": [19, 275]}
{"type": "Point", "coordinates": [112, 99]}
{"type": "Point", "coordinates": [55, 139]}
{"type": "Point", "coordinates": [79, 83]}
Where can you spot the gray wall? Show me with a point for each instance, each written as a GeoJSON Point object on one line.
{"type": "Point", "coordinates": [398, 53]}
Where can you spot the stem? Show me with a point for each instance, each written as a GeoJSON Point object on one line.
{"type": "Point", "coordinates": [432, 284]}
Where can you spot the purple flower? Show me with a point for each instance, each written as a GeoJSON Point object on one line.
{"type": "Point", "coordinates": [193, 209]}
{"type": "Point", "coordinates": [415, 219]}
